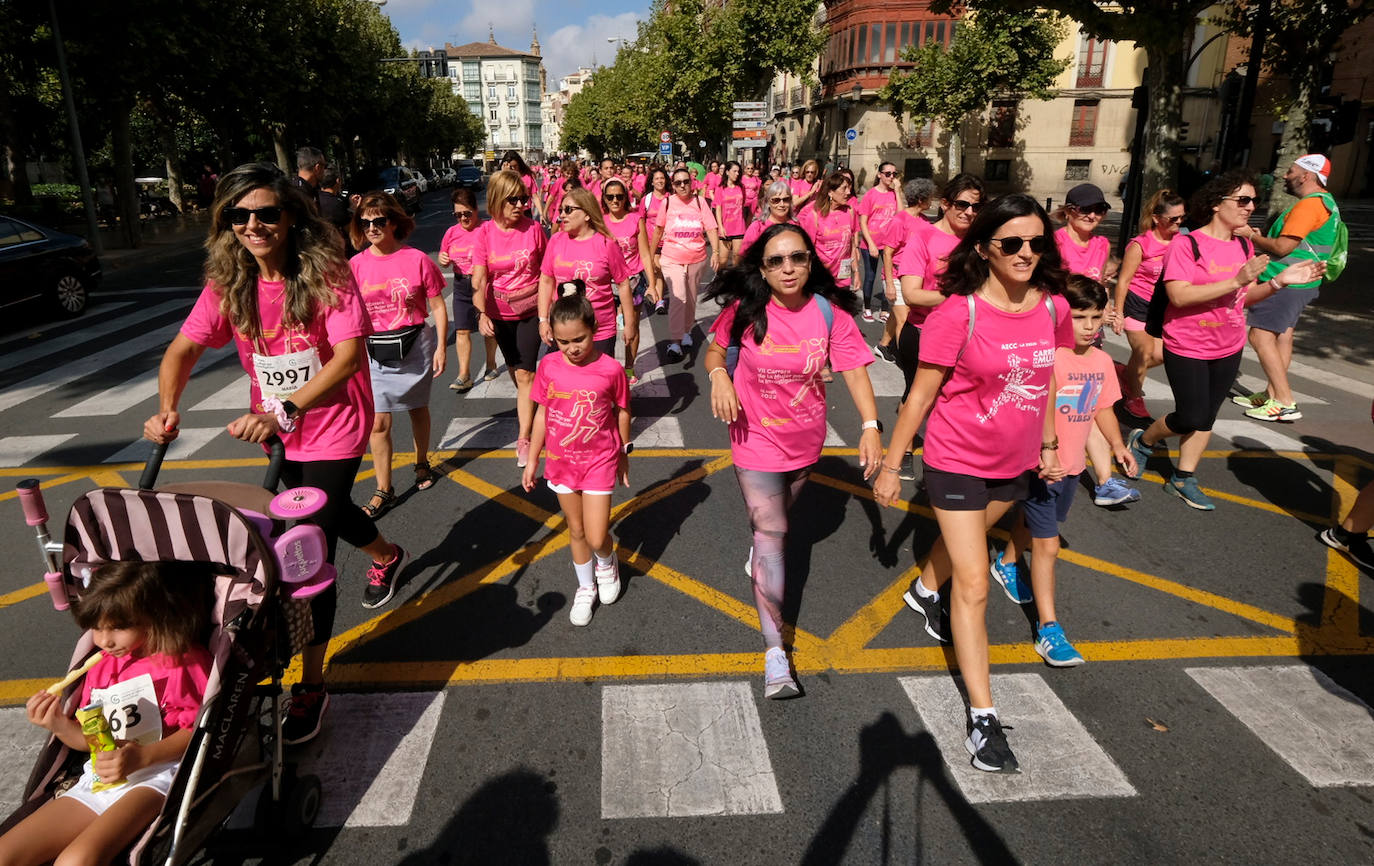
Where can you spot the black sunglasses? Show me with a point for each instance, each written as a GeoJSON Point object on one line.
{"type": "Point", "coordinates": [379, 223]}
{"type": "Point", "coordinates": [961, 205]}
{"type": "Point", "coordinates": [686, 182]}
{"type": "Point", "coordinates": [798, 258]}
{"type": "Point", "coordinates": [464, 214]}
{"type": "Point", "coordinates": [1098, 209]}
{"type": "Point", "coordinates": [1012, 245]}
{"type": "Point", "coordinates": [614, 196]}
{"type": "Point", "coordinates": [567, 209]}
{"type": "Point", "coordinates": [518, 200]}
{"type": "Point", "coordinates": [1242, 200]}
{"type": "Point", "coordinates": [239, 215]}
{"type": "Point", "coordinates": [888, 173]}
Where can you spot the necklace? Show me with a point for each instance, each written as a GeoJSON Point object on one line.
{"type": "Point", "coordinates": [1007, 306]}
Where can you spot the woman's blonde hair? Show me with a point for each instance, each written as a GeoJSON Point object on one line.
{"type": "Point", "coordinates": [389, 207]}
{"type": "Point", "coordinates": [504, 185]}
{"type": "Point", "coordinates": [810, 164]}
{"type": "Point", "coordinates": [314, 263]}
{"type": "Point", "coordinates": [588, 204]}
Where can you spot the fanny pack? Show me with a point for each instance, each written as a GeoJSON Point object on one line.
{"type": "Point", "coordinates": [389, 348]}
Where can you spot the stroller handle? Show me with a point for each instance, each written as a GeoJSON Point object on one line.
{"type": "Point", "coordinates": [276, 456]}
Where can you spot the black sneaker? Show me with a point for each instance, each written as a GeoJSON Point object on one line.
{"type": "Point", "coordinates": [934, 610]}
{"type": "Point", "coordinates": [988, 746]}
{"type": "Point", "coordinates": [304, 714]}
{"type": "Point", "coordinates": [1357, 548]}
{"type": "Point", "coordinates": [908, 470]}
{"type": "Point", "coordinates": [381, 580]}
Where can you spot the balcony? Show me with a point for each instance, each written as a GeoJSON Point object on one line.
{"type": "Point", "coordinates": [1090, 76]}
{"type": "Point", "coordinates": [794, 97]}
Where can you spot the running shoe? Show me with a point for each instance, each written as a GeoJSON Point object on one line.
{"type": "Point", "coordinates": [522, 452]}
{"type": "Point", "coordinates": [661, 307]}
{"type": "Point", "coordinates": [674, 353]}
{"type": "Point", "coordinates": [1135, 406]}
{"type": "Point", "coordinates": [1273, 410]}
{"type": "Point", "coordinates": [381, 580]}
{"type": "Point", "coordinates": [988, 746]}
{"type": "Point", "coordinates": [908, 470]}
{"type": "Point", "coordinates": [1055, 648]}
{"type": "Point", "coordinates": [687, 340]}
{"type": "Point", "coordinates": [884, 316]}
{"type": "Point", "coordinates": [868, 314]}
{"type": "Point", "coordinates": [1115, 492]}
{"type": "Point", "coordinates": [1013, 578]}
{"type": "Point", "coordinates": [1356, 547]}
{"type": "Point", "coordinates": [608, 580]}
{"type": "Point", "coordinates": [778, 683]}
{"type": "Point", "coordinates": [631, 375]}
{"type": "Point", "coordinates": [1187, 490]}
{"type": "Point", "coordinates": [583, 602]}
{"type": "Point", "coordinates": [462, 384]}
{"type": "Point", "coordinates": [934, 610]}
{"type": "Point", "coordinates": [1139, 450]}
{"type": "Point", "coordinates": [884, 352]}
{"type": "Point", "coordinates": [304, 713]}
{"type": "Point", "coordinates": [1250, 401]}
{"type": "Point", "coordinates": [749, 563]}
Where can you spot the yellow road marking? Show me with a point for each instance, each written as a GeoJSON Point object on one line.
{"type": "Point", "coordinates": [28, 592]}
{"type": "Point", "coordinates": [1341, 602]}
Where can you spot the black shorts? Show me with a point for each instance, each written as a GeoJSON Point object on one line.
{"type": "Point", "coordinates": [519, 342]}
{"type": "Point", "coordinates": [952, 491]}
{"type": "Point", "coordinates": [1136, 307]}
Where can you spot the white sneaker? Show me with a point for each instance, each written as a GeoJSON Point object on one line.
{"type": "Point", "coordinates": [687, 340]}
{"type": "Point", "coordinates": [777, 676]}
{"type": "Point", "coordinates": [608, 581]}
{"type": "Point", "coordinates": [583, 600]}
{"type": "Point", "coordinates": [749, 564]}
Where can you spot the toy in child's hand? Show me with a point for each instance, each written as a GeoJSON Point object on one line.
{"type": "Point", "coordinates": [57, 687]}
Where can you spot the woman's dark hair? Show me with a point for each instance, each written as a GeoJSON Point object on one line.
{"type": "Point", "coordinates": [606, 187]}
{"type": "Point", "coordinates": [968, 268]}
{"type": "Point", "coordinates": [170, 601]}
{"type": "Point", "coordinates": [1213, 191]}
{"type": "Point", "coordinates": [1159, 204]}
{"type": "Point", "coordinates": [833, 181]}
{"type": "Point", "coordinates": [512, 155]}
{"type": "Point", "coordinates": [463, 195]}
{"type": "Point", "coordinates": [963, 182]}
{"type": "Point", "coordinates": [1085, 293]}
{"type": "Point", "coordinates": [725, 174]}
{"type": "Point", "coordinates": [744, 282]}
{"type": "Point", "coordinates": [690, 177]}
{"type": "Point", "coordinates": [390, 208]}
{"type": "Point", "coordinates": [572, 305]}
{"type": "Point", "coordinates": [667, 178]}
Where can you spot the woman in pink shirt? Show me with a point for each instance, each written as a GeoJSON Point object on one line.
{"type": "Point", "coordinates": [400, 287]}
{"type": "Point", "coordinates": [986, 381]}
{"type": "Point", "coordinates": [506, 256]}
{"type": "Point", "coordinates": [455, 250]}
{"type": "Point", "coordinates": [586, 250]}
{"type": "Point", "coordinates": [778, 198]}
{"type": "Point", "coordinates": [660, 189]}
{"type": "Point", "coordinates": [908, 225]}
{"type": "Point", "coordinates": [752, 184]}
{"type": "Point", "coordinates": [1204, 324]}
{"type": "Point", "coordinates": [567, 172]}
{"type": "Point", "coordinates": [1140, 266]}
{"type": "Point", "coordinates": [834, 229]}
{"type": "Point", "coordinates": [729, 202]}
{"type": "Point", "coordinates": [876, 209]}
{"type": "Point", "coordinates": [512, 161]}
{"type": "Point", "coordinates": [783, 321]}
{"type": "Point", "coordinates": [293, 311]}
{"type": "Point", "coordinates": [711, 182]}
{"type": "Point", "coordinates": [627, 226]}
{"type": "Point", "coordinates": [687, 231]}
{"type": "Point", "coordinates": [806, 184]}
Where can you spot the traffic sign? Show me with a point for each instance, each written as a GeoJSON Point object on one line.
{"type": "Point", "coordinates": [665, 148]}
{"type": "Point", "coordinates": [701, 143]}
{"type": "Point", "coordinates": [748, 105]}
{"type": "Point", "coordinates": [750, 133]}
{"type": "Point", "coordinates": [750, 142]}
{"type": "Point", "coordinates": [665, 137]}
{"type": "Point", "coordinates": [749, 115]}
{"type": "Point", "coordinates": [850, 134]}
{"type": "Point", "coordinates": [751, 124]}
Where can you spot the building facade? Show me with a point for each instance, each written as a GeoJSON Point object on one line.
{"type": "Point", "coordinates": [555, 104]}
{"type": "Point", "coordinates": [505, 88]}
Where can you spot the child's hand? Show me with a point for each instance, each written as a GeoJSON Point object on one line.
{"type": "Point", "coordinates": [116, 765]}
{"type": "Point", "coordinates": [527, 477]}
{"type": "Point", "coordinates": [44, 710]}
{"type": "Point", "coordinates": [623, 471]}
{"type": "Point", "coordinates": [1050, 470]}
{"type": "Point", "coordinates": [1127, 461]}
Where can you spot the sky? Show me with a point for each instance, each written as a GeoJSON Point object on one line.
{"type": "Point", "coordinates": [571, 32]}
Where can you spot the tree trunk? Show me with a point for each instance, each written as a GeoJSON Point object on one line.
{"type": "Point", "coordinates": [125, 190]}
{"type": "Point", "coordinates": [1297, 123]}
{"type": "Point", "coordinates": [167, 140]}
{"type": "Point", "coordinates": [1166, 115]}
{"type": "Point", "coordinates": [279, 144]}
{"type": "Point", "coordinates": [955, 161]}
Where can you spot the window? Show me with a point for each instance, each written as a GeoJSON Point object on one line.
{"type": "Point", "coordinates": [533, 138]}
{"type": "Point", "coordinates": [930, 32]}
{"type": "Point", "coordinates": [510, 91]}
{"type": "Point", "coordinates": [472, 70]}
{"type": "Point", "coordinates": [1002, 123]}
{"type": "Point", "coordinates": [1083, 129]}
{"type": "Point", "coordinates": [491, 92]}
{"type": "Point", "coordinates": [532, 91]}
{"type": "Point", "coordinates": [863, 45]}
{"type": "Point", "coordinates": [472, 91]}
{"type": "Point", "coordinates": [1077, 169]}
{"type": "Point", "coordinates": [997, 169]}
{"type": "Point", "coordinates": [875, 43]}
{"type": "Point", "coordinates": [925, 136]}
{"type": "Point", "coordinates": [917, 168]}
{"type": "Point", "coordinates": [492, 114]}
{"type": "Point", "coordinates": [940, 33]}
{"type": "Point", "coordinates": [513, 113]}
{"type": "Point", "coordinates": [475, 109]}
{"type": "Point", "coordinates": [1092, 61]}
{"type": "Point", "coordinates": [906, 37]}
{"type": "Point", "coordinates": [890, 44]}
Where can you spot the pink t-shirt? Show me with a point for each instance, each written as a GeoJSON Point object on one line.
{"type": "Point", "coordinates": [1151, 264]}
{"type": "Point", "coordinates": [626, 231]}
{"type": "Point", "coordinates": [880, 206]}
{"type": "Point", "coordinates": [1090, 260]}
{"type": "Point", "coordinates": [178, 683]}
{"type": "Point", "coordinates": [596, 261]}
{"type": "Point", "coordinates": [651, 206]}
{"type": "Point", "coordinates": [396, 288]}
{"type": "Point", "coordinates": [730, 200]}
{"type": "Point", "coordinates": [637, 185]}
{"type": "Point", "coordinates": [458, 243]}
{"type": "Point", "coordinates": [581, 439]}
{"type": "Point", "coordinates": [1086, 383]}
{"type": "Point", "coordinates": [555, 195]}
{"type": "Point", "coordinates": [712, 185]}
{"type": "Point", "coordinates": [988, 416]}
{"type": "Point", "coordinates": [751, 185]}
{"type": "Point", "coordinates": [684, 229]}
{"type": "Point", "coordinates": [833, 235]}
{"type": "Point", "coordinates": [1215, 328]}
{"type": "Point", "coordinates": [781, 425]}
{"type": "Point", "coordinates": [755, 231]}
{"type": "Point", "coordinates": [904, 228]}
{"type": "Point", "coordinates": [512, 259]}
{"type": "Point", "coordinates": [800, 187]}
{"type": "Point", "coordinates": [926, 258]}
{"type": "Point", "coordinates": [337, 427]}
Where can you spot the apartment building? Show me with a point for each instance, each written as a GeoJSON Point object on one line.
{"type": "Point", "coordinates": [505, 88]}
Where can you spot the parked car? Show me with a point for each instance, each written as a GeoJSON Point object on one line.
{"type": "Point", "coordinates": [470, 177]}
{"type": "Point", "coordinates": [395, 179]}
{"type": "Point", "coordinates": [420, 179]}
{"type": "Point", "coordinates": [448, 176]}
{"type": "Point", "coordinates": [45, 265]}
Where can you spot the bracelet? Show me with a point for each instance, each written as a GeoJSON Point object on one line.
{"type": "Point", "coordinates": [887, 468]}
{"type": "Point", "coordinates": [543, 319]}
{"type": "Point", "coordinates": [717, 370]}
{"type": "Point", "coordinates": [1053, 444]}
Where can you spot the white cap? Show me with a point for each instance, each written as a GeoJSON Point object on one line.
{"type": "Point", "coordinates": [1317, 164]}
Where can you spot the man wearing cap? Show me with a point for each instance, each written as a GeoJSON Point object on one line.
{"type": "Point", "coordinates": [1306, 230]}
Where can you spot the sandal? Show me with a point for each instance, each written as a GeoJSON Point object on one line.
{"type": "Point", "coordinates": [424, 476]}
{"type": "Point", "coordinates": [385, 499]}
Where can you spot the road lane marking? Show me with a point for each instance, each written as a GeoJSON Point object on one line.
{"type": "Point", "coordinates": [681, 750]}
{"type": "Point", "coordinates": [189, 440]}
{"type": "Point", "coordinates": [16, 451]}
{"type": "Point", "coordinates": [120, 398]}
{"type": "Point", "coordinates": [1059, 759]}
{"type": "Point", "coordinates": [494, 431]}
{"type": "Point", "coordinates": [234, 396]}
{"type": "Point", "coordinates": [1317, 727]}
{"type": "Point", "coordinates": [43, 346]}
{"type": "Point", "coordinates": [85, 365]}
{"type": "Point", "coordinates": [887, 379]}
{"type": "Point", "coordinates": [20, 743]}
{"type": "Point", "coordinates": [832, 437]}
{"type": "Point", "coordinates": [1242, 432]}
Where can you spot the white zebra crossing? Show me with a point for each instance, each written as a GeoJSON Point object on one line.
{"type": "Point", "coordinates": [189, 440]}
{"type": "Point", "coordinates": [118, 399]}
{"type": "Point", "coordinates": [73, 371]}
{"type": "Point", "coordinates": [20, 743]}
{"type": "Point", "coordinates": [16, 451]}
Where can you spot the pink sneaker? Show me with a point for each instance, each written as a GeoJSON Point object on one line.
{"type": "Point", "coordinates": [1136, 406]}
{"type": "Point", "coordinates": [522, 452]}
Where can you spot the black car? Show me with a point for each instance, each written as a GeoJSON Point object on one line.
{"type": "Point", "coordinates": [469, 177]}
{"type": "Point", "coordinates": [41, 264]}
{"type": "Point", "coordinates": [395, 179]}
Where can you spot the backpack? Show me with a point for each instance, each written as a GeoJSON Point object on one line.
{"type": "Point", "coordinates": [732, 350]}
{"type": "Point", "coordinates": [1159, 301]}
{"type": "Point", "coordinates": [972, 314]}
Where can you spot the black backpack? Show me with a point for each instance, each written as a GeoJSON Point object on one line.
{"type": "Point", "coordinates": [1159, 301]}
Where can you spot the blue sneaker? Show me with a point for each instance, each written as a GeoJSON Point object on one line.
{"type": "Point", "coordinates": [1015, 582]}
{"type": "Point", "coordinates": [1115, 492]}
{"type": "Point", "coordinates": [1139, 450]}
{"type": "Point", "coordinates": [1054, 648]}
{"type": "Point", "coordinates": [1187, 490]}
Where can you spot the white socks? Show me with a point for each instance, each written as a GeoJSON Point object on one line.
{"type": "Point", "coordinates": [975, 712]}
{"type": "Point", "coordinates": [604, 561]}
{"type": "Point", "coordinates": [926, 593]}
{"type": "Point", "coordinates": [586, 576]}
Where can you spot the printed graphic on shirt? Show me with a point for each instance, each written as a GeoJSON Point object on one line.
{"type": "Point", "coordinates": [392, 295]}
{"type": "Point", "coordinates": [1078, 395]}
{"type": "Point", "coordinates": [582, 421]}
{"type": "Point", "coordinates": [1016, 391]}
{"type": "Point", "coordinates": [815, 350]}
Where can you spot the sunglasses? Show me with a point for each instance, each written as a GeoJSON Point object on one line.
{"type": "Point", "coordinates": [378, 223]}
{"type": "Point", "coordinates": [779, 199]}
{"type": "Point", "coordinates": [518, 200]}
{"type": "Point", "coordinates": [798, 258]}
{"type": "Point", "coordinates": [464, 214]}
{"type": "Point", "coordinates": [888, 173]}
{"type": "Point", "coordinates": [1242, 200]}
{"type": "Point", "coordinates": [266, 215]}
{"type": "Point", "coordinates": [682, 183]}
{"type": "Point", "coordinates": [567, 209]}
{"type": "Point", "coordinates": [1097, 209]}
{"type": "Point", "coordinates": [961, 205]}
{"type": "Point", "coordinates": [613, 196]}
{"type": "Point", "coordinates": [1011, 246]}
{"type": "Point", "coordinates": [1173, 221]}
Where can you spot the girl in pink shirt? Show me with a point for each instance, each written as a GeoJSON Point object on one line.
{"type": "Point", "coordinates": [907, 225]}
{"type": "Point", "coordinates": [512, 161]}
{"type": "Point", "coordinates": [150, 656]}
{"type": "Point", "coordinates": [986, 381]}
{"type": "Point", "coordinates": [293, 311]}
{"type": "Point", "coordinates": [455, 251]}
{"type": "Point", "coordinates": [400, 285]}
{"type": "Point", "coordinates": [712, 182]}
{"type": "Point", "coordinates": [729, 202]}
{"type": "Point", "coordinates": [1135, 286]}
{"type": "Point", "coordinates": [687, 231]}
{"type": "Point", "coordinates": [586, 250]}
{"type": "Point", "coordinates": [584, 424]}
{"type": "Point", "coordinates": [834, 229]}
{"type": "Point", "coordinates": [1204, 324]}
{"type": "Point", "coordinates": [627, 226]}
{"type": "Point", "coordinates": [784, 321]}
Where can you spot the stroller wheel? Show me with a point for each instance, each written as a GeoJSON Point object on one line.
{"type": "Point", "coordinates": [302, 805]}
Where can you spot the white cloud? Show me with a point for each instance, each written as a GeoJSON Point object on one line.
{"type": "Point", "coordinates": [577, 44]}
{"type": "Point", "coordinates": [513, 20]}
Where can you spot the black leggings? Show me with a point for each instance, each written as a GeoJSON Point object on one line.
{"type": "Point", "coordinates": [339, 518]}
{"type": "Point", "coordinates": [1200, 387]}
{"type": "Point", "coordinates": [908, 353]}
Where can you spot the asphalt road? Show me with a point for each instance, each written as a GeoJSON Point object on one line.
{"type": "Point", "coordinates": [1224, 715]}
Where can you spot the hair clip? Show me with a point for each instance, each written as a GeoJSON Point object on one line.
{"type": "Point", "coordinates": [571, 287]}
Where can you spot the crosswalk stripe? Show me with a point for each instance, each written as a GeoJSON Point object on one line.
{"type": "Point", "coordinates": [1059, 759]}
{"type": "Point", "coordinates": [18, 450]}
{"type": "Point", "coordinates": [188, 442]}
{"type": "Point", "coordinates": [34, 337]}
{"type": "Point", "coordinates": [678, 750]}
{"type": "Point", "coordinates": [231, 396]}
{"type": "Point", "coordinates": [496, 431]}
{"type": "Point", "coordinates": [1244, 433]}
{"type": "Point", "coordinates": [1326, 377]}
{"type": "Point", "coordinates": [118, 399]}
{"type": "Point", "coordinates": [832, 437]}
{"type": "Point", "coordinates": [20, 743]}
{"type": "Point", "coordinates": [1318, 728]}
{"type": "Point", "coordinates": [44, 347]}
{"type": "Point", "coordinates": [887, 379]}
{"type": "Point", "coordinates": [56, 377]}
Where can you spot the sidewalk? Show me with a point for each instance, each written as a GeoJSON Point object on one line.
{"type": "Point", "coordinates": [161, 237]}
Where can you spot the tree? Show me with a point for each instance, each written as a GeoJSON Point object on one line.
{"type": "Point", "coordinates": [994, 53]}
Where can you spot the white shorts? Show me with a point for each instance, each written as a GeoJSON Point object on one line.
{"type": "Point", "coordinates": [899, 301]}
{"type": "Point", "coordinates": [158, 777]}
{"type": "Point", "coordinates": [563, 488]}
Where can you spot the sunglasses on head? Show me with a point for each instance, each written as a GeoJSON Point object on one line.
{"type": "Point", "coordinates": [1242, 200]}
{"type": "Point", "coordinates": [239, 215]}
{"type": "Point", "coordinates": [379, 222]}
{"type": "Point", "coordinates": [1012, 245]}
{"type": "Point", "coordinates": [798, 258]}
{"type": "Point", "coordinates": [961, 205]}
{"type": "Point", "coordinates": [464, 214]}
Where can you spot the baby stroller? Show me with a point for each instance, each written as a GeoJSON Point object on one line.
{"type": "Point", "coordinates": [265, 573]}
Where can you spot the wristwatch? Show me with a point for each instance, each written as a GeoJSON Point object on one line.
{"type": "Point", "coordinates": [874, 424]}
{"type": "Point", "coordinates": [290, 409]}
{"type": "Point", "coordinates": [627, 449]}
